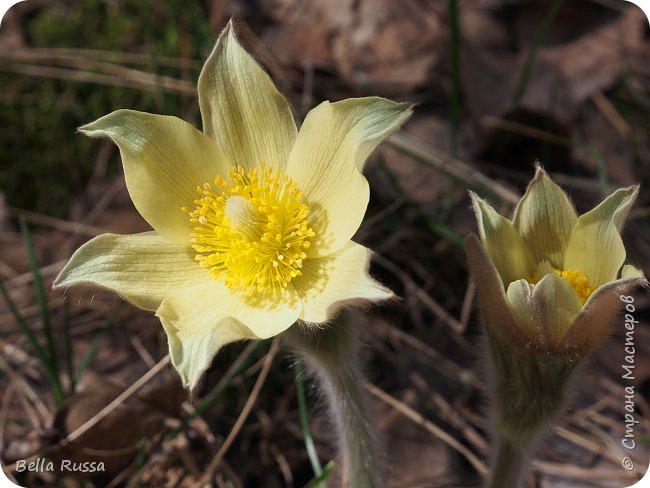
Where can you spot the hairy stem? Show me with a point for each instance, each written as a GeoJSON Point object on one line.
{"type": "Point", "coordinates": [331, 356]}
{"type": "Point", "coordinates": [529, 391]}
{"type": "Point", "coordinates": [510, 465]}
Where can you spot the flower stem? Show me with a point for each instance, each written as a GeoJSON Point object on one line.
{"type": "Point", "coordinates": [510, 465]}
{"type": "Point", "coordinates": [529, 391]}
{"type": "Point", "coordinates": [331, 356]}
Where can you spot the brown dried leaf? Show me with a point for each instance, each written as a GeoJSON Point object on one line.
{"type": "Point", "coordinates": [567, 71]}
{"type": "Point", "coordinates": [377, 45]}
{"type": "Point", "coordinates": [114, 440]}
{"type": "Point", "coordinates": [389, 47]}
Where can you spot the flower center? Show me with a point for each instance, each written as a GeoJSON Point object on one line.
{"type": "Point", "coordinates": [252, 232]}
{"type": "Point", "coordinates": [575, 277]}
{"type": "Point", "coordinates": [578, 281]}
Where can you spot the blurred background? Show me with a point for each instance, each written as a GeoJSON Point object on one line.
{"type": "Point", "coordinates": [498, 84]}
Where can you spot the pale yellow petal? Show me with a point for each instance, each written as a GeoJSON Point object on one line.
{"type": "Point", "coordinates": [328, 156]}
{"type": "Point", "coordinates": [142, 268]}
{"type": "Point", "coordinates": [192, 356]}
{"type": "Point", "coordinates": [557, 306]}
{"type": "Point", "coordinates": [595, 246]}
{"type": "Point", "coordinates": [520, 299]}
{"type": "Point", "coordinates": [329, 283]}
{"type": "Point", "coordinates": [241, 108]}
{"type": "Point", "coordinates": [630, 271]}
{"type": "Point", "coordinates": [503, 243]}
{"type": "Point", "coordinates": [496, 313]}
{"type": "Point", "coordinates": [164, 160]}
{"type": "Point", "coordinates": [544, 218]}
{"type": "Point", "coordinates": [196, 311]}
{"type": "Point", "coordinates": [601, 315]}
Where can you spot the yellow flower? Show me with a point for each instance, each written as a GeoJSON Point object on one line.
{"type": "Point", "coordinates": [550, 280]}
{"type": "Point", "coordinates": [252, 218]}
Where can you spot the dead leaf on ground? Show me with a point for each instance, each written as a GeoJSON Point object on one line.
{"type": "Point", "coordinates": [376, 45]}
{"type": "Point", "coordinates": [115, 439]}
{"type": "Point", "coordinates": [565, 74]}
{"type": "Point", "coordinates": [389, 47]}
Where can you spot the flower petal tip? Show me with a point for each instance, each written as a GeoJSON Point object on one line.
{"type": "Point", "coordinates": [97, 127]}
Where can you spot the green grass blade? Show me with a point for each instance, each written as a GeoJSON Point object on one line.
{"type": "Point", "coordinates": [140, 461]}
{"type": "Point", "coordinates": [527, 68]}
{"type": "Point", "coordinates": [41, 299]}
{"type": "Point", "coordinates": [232, 373]}
{"type": "Point", "coordinates": [44, 313]}
{"type": "Point", "coordinates": [68, 342]}
{"type": "Point", "coordinates": [319, 480]}
{"type": "Point", "coordinates": [24, 327]}
{"type": "Point", "coordinates": [237, 368]}
{"type": "Point", "coordinates": [304, 421]}
{"type": "Point", "coordinates": [445, 232]}
{"type": "Point", "coordinates": [94, 346]}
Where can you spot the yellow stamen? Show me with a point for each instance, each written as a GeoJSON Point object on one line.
{"type": "Point", "coordinates": [575, 277]}
{"type": "Point", "coordinates": [251, 232]}
{"type": "Point", "coordinates": [577, 280]}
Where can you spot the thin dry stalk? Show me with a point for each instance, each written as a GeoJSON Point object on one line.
{"type": "Point", "coordinates": [611, 114]}
{"type": "Point", "coordinates": [36, 410]}
{"type": "Point", "coordinates": [99, 416]}
{"type": "Point", "coordinates": [55, 223]}
{"type": "Point", "coordinates": [4, 411]}
{"type": "Point", "coordinates": [99, 208]}
{"type": "Point", "coordinates": [586, 443]}
{"type": "Point", "coordinates": [44, 271]}
{"type": "Point", "coordinates": [435, 308]}
{"type": "Point", "coordinates": [429, 426]}
{"type": "Point", "coordinates": [466, 309]}
{"type": "Point", "coordinates": [588, 475]}
{"type": "Point", "coordinates": [454, 167]}
{"type": "Point", "coordinates": [141, 350]}
{"type": "Point", "coordinates": [442, 364]}
{"type": "Point", "coordinates": [104, 55]}
{"type": "Point", "coordinates": [214, 464]}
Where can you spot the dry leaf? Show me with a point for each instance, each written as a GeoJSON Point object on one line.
{"type": "Point", "coordinates": [115, 439]}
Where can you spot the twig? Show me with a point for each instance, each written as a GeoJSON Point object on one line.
{"type": "Point", "coordinates": [40, 219]}
{"type": "Point", "coordinates": [4, 410]}
{"type": "Point", "coordinates": [214, 464]}
{"type": "Point", "coordinates": [611, 114]}
{"type": "Point", "coordinates": [120, 79]}
{"type": "Point", "coordinates": [452, 166]}
{"type": "Point", "coordinates": [443, 364]}
{"type": "Point", "coordinates": [437, 309]}
{"type": "Point", "coordinates": [585, 474]}
{"type": "Point", "coordinates": [466, 309]}
{"type": "Point", "coordinates": [450, 414]}
{"type": "Point", "coordinates": [39, 412]}
{"type": "Point", "coordinates": [25, 278]}
{"type": "Point", "coordinates": [121, 398]}
{"type": "Point", "coordinates": [54, 53]}
{"type": "Point", "coordinates": [141, 350]}
{"type": "Point", "coordinates": [97, 210]}
{"type": "Point", "coordinates": [418, 419]}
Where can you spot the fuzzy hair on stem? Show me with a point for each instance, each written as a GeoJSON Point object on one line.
{"type": "Point", "coordinates": [527, 394]}
{"type": "Point", "coordinates": [331, 356]}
